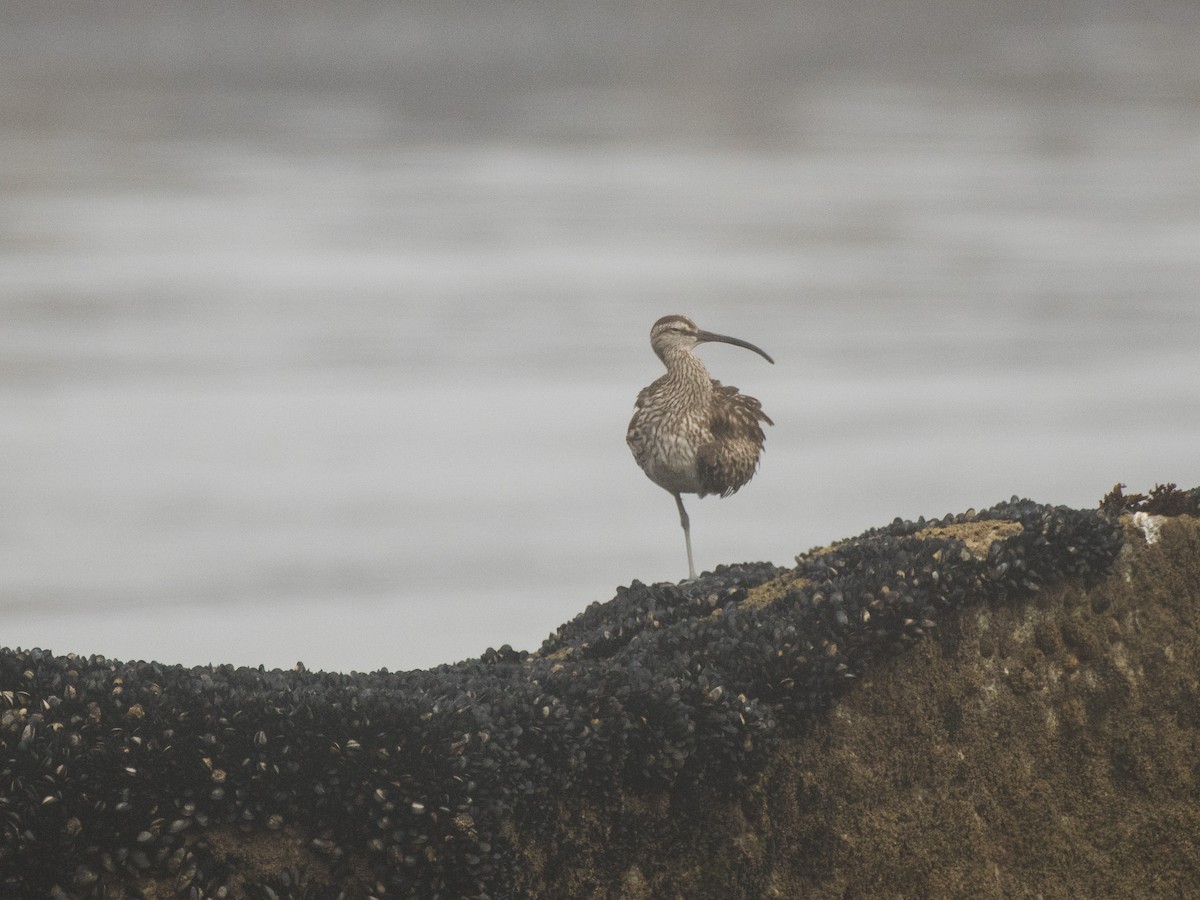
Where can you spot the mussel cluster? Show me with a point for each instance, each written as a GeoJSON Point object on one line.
{"type": "Point", "coordinates": [115, 774]}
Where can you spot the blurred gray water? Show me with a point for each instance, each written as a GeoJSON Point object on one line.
{"type": "Point", "coordinates": [320, 324]}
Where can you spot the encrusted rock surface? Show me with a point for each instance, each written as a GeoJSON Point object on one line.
{"type": "Point", "coordinates": [1002, 703]}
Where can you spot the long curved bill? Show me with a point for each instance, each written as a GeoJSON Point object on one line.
{"type": "Point", "coordinates": [707, 336]}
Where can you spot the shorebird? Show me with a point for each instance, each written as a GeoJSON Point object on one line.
{"type": "Point", "coordinates": [690, 433]}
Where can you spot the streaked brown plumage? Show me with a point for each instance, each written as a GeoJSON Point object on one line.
{"type": "Point", "coordinates": [690, 433]}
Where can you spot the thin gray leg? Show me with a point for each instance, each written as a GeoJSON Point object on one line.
{"type": "Point", "coordinates": [687, 535]}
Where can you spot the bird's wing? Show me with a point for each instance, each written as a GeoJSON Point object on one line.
{"type": "Point", "coordinates": [733, 413]}
{"type": "Point", "coordinates": [635, 435]}
{"type": "Point", "coordinates": [644, 394]}
{"type": "Point", "coordinates": [730, 459]}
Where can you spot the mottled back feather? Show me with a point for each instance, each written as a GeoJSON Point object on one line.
{"type": "Point", "coordinates": [730, 459]}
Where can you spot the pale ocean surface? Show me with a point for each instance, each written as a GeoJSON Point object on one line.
{"type": "Point", "coordinates": [321, 325]}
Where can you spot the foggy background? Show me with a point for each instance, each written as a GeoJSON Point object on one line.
{"type": "Point", "coordinates": [321, 324]}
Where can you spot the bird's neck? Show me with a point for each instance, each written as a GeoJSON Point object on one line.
{"type": "Point", "coordinates": [685, 368]}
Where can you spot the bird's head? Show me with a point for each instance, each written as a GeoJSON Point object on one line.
{"type": "Point", "coordinates": [679, 334]}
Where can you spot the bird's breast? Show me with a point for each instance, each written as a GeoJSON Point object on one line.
{"type": "Point", "coordinates": [667, 447]}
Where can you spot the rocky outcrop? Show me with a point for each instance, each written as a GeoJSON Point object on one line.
{"type": "Point", "coordinates": [992, 704]}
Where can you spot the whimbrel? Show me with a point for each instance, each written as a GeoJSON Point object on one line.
{"type": "Point", "coordinates": [690, 433]}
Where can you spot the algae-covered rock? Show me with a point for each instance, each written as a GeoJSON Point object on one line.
{"type": "Point", "coordinates": [992, 704]}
